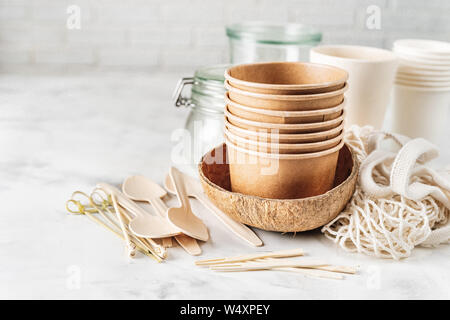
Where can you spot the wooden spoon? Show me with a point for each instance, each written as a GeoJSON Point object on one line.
{"type": "Point", "coordinates": [140, 188]}
{"type": "Point", "coordinates": [194, 189]}
{"type": "Point", "coordinates": [143, 224]}
{"type": "Point", "coordinates": [183, 217]}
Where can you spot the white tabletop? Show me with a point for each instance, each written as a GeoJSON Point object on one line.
{"type": "Point", "coordinates": [61, 134]}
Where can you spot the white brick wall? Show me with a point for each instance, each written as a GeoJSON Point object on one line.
{"type": "Point", "coordinates": [174, 34]}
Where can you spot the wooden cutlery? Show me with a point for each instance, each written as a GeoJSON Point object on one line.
{"type": "Point", "coordinates": [143, 224]}
{"type": "Point", "coordinates": [140, 188]}
{"type": "Point", "coordinates": [183, 217]}
{"type": "Point", "coordinates": [194, 189]}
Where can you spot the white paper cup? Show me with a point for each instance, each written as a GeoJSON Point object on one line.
{"type": "Point", "coordinates": [420, 83]}
{"type": "Point", "coordinates": [423, 66]}
{"type": "Point", "coordinates": [420, 112]}
{"type": "Point", "coordinates": [418, 77]}
{"type": "Point", "coordinates": [421, 72]}
{"type": "Point", "coordinates": [371, 76]}
{"type": "Point", "coordinates": [424, 48]}
{"type": "Point", "coordinates": [423, 60]}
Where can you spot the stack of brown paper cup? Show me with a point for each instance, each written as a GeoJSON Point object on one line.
{"type": "Point", "coordinates": [284, 128]}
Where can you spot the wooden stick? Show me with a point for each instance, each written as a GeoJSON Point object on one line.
{"type": "Point", "coordinates": [156, 248]}
{"type": "Point", "coordinates": [270, 263]}
{"type": "Point", "coordinates": [131, 248]}
{"type": "Point", "coordinates": [253, 256]}
{"type": "Point", "coordinates": [319, 271]}
{"type": "Point", "coordinates": [312, 273]}
{"type": "Point", "coordinates": [167, 242]}
{"type": "Point", "coordinates": [328, 268]}
{"type": "Point", "coordinates": [339, 269]}
{"type": "Point", "coordinates": [264, 265]}
{"type": "Point", "coordinates": [117, 233]}
{"type": "Point", "coordinates": [158, 257]}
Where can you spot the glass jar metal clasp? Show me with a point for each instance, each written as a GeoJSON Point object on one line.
{"type": "Point", "coordinates": [177, 97]}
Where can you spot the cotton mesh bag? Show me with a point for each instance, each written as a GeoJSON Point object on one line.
{"type": "Point", "coordinates": [399, 203]}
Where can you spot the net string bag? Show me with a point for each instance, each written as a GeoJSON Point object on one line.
{"type": "Point", "coordinates": [400, 202]}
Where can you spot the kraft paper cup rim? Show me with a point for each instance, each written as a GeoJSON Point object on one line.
{"type": "Point", "coordinates": [284, 145]}
{"type": "Point", "coordinates": [296, 97]}
{"type": "Point", "coordinates": [261, 85]}
{"type": "Point", "coordinates": [286, 156]}
{"type": "Point", "coordinates": [288, 136]}
{"type": "Point", "coordinates": [383, 54]}
{"type": "Point", "coordinates": [286, 114]}
{"type": "Point", "coordinates": [268, 125]}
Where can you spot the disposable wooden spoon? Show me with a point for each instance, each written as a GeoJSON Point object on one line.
{"type": "Point", "coordinates": [194, 189]}
{"type": "Point", "coordinates": [183, 217]}
{"type": "Point", "coordinates": [143, 224]}
{"type": "Point", "coordinates": [140, 188]}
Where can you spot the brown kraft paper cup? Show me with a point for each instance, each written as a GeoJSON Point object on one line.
{"type": "Point", "coordinates": [267, 135]}
{"type": "Point", "coordinates": [282, 148]}
{"type": "Point", "coordinates": [286, 78]}
{"type": "Point", "coordinates": [284, 128]}
{"type": "Point", "coordinates": [281, 176]}
{"type": "Point", "coordinates": [286, 102]}
{"type": "Point", "coordinates": [284, 117]}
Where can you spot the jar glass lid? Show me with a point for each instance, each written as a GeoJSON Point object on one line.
{"type": "Point", "coordinates": [280, 34]}
{"type": "Point", "coordinates": [212, 73]}
{"type": "Point", "coordinates": [208, 89]}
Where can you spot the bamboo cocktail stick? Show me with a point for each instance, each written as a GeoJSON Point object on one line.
{"type": "Point", "coordinates": [131, 247]}
{"type": "Point", "coordinates": [264, 265]}
{"type": "Point", "coordinates": [90, 215]}
{"type": "Point", "coordinates": [150, 244]}
{"type": "Point", "coordinates": [312, 273]}
{"type": "Point", "coordinates": [252, 256]}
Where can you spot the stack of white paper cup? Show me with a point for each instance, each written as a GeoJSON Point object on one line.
{"type": "Point", "coordinates": [422, 88]}
{"type": "Point", "coordinates": [371, 76]}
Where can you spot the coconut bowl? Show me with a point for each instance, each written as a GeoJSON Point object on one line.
{"type": "Point", "coordinates": [292, 215]}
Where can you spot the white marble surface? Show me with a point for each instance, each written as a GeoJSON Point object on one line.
{"type": "Point", "coordinates": [60, 134]}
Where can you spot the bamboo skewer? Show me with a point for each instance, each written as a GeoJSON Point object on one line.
{"type": "Point", "coordinates": [153, 247]}
{"type": "Point", "coordinates": [280, 264]}
{"type": "Point", "coordinates": [154, 251]}
{"type": "Point", "coordinates": [339, 269]}
{"type": "Point", "coordinates": [107, 227]}
{"type": "Point", "coordinates": [159, 250]}
{"type": "Point", "coordinates": [167, 242]}
{"type": "Point", "coordinates": [312, 273]}
{"type": "Point", "coordinates": [265, 265]}
{"type": "Point", "coordinates": [253, 256]}
{"type": "Point", "coordinates": [272, 261]}
{"type": "Point", "coordinates": [131, 247]}
{"type": "Point", "coordinates": [144, 248]}
{"type": "Point", "coordinates": [320, 271]}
